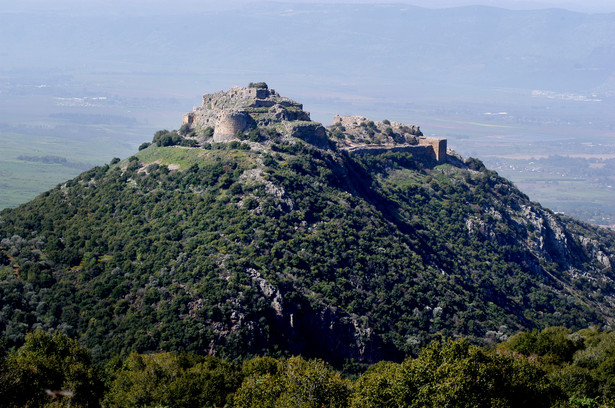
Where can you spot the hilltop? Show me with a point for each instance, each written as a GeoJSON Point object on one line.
{"type": "Point", "coordinates": [254, 230]}
{"type": "Point", "coordinates": [268, 118]}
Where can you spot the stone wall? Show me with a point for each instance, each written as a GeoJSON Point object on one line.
{"type": "Point", "coordinates": [439, 147]}
{"type": "Point", "coordinates": [240, 109]}
{"type": "Point", "coordinates": [424, 151]}
{"type": "Point", "coordinates": [350, 122]}
{"type": "Point", "coordinates": [188, 118]}
{"type": "Point", "coordinates": [228, 123]}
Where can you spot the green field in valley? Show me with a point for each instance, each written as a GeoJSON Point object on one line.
{"type": "Point", "coordinates": [39, 158]}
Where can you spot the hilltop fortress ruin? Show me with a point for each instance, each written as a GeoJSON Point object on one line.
{"type": "Point", "coordinates": [226, 116]}
{"type": "Point", "coordinates": [359, 134]}
{"type": "Point", "coordinates": [240, 109]}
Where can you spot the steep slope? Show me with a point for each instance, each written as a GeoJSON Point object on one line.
{"type": "Point", "coordinates": [283, 238]}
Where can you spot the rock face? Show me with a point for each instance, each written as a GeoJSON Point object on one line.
{"type": "Point", "coordinates": [311, 132]}
{"type": "Point", "coordinates": [239, 110]}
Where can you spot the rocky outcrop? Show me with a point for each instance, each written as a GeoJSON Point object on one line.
{"type": "Point", "coordinates": [312, 132]}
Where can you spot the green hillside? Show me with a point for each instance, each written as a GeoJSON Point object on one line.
{"type": "Point", "coordinates": [271, 244]}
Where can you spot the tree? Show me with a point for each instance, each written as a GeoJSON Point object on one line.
{"type": "Point", "coordinates": [554, 345]}
{"type": "Point", "coordinates": [294, 382]}
{"type": "Point", "coordinates": [144, 145]}
{"type": "Point", "coordinates": [262, 85]}
{"type": "Point", "coordinates": [50, 368]}
{"type": "Point", "coordinates": [178, 380]}
{"type": "Point", "coordinates": [475, 164]}
{"type": "Point", "coordinates": [166, 138]}
{"type": "Point", "coordinates": [185, 129]}
{"type": "Point", "coordinates": [381, 385]}
{"type": "Point", "coordinates": [455, 374]}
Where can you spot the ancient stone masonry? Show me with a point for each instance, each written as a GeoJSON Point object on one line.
{"type": "Point", "coordinates": [361, 135]}
{"type": "Point", "coordinates": [357, 122]}
{"type": "Point", "coordinates": [438, 147]}
{"type": "Point", "coordinates": [241, 109]}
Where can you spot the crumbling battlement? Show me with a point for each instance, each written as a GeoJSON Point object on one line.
{"type": "Point", "coordinates": [359, 134]}
{"type": "Point", "coordinates": [240, 109]}
{"type": "Point", "coordinates": [352, 130]}
{"type": "Point", "coordinates": [241, 98]}
{"type": "Point", "coordinates": [421, 152]}
{"type": "Point", "coordinates": [351, 123]}
{"type": "Point", "coordinates": [438, 146]}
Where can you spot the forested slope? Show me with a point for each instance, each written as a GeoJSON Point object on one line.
{"type": "Point", "coordinates": [294, 250]}
{"type": "Point", "coordinates": [268, 244]}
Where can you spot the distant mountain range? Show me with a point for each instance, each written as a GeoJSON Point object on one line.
{"type": "Point", "coordinates": [476, 46]}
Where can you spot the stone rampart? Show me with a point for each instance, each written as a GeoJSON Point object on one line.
{"type": "Point", "coordinates": [188, 118]}
{"type": "Point", "coordinates": [350, 122]}
{"type": "Point", "coordinates": [439, 147]}
{"type": "Point", "coordinates": [240, 109]}
{"type": "Point", "coordinates": [420, 152]}
{"type": "Point", "coordinates": [228, 124]}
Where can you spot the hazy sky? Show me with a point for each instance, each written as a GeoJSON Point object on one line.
{"type": "Point", "coordinates": [576, 5]}
{"type": "Point", "coordinates": [149, 6]}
